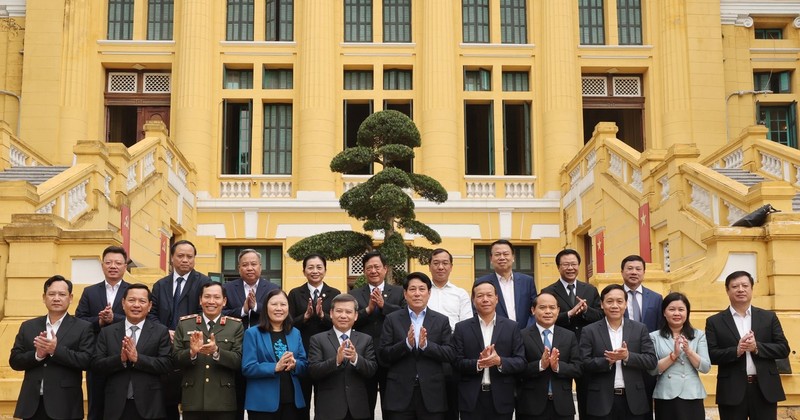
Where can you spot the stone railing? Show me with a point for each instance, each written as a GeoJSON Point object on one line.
{"type": "Point", "coordinates": [67, 194]}
{"type": "Point", "coordinates": [14, 152]}
{"type": "Point", "coordinates": [491, 187]}
{"type": "Point", "coordinates": [252, 187]}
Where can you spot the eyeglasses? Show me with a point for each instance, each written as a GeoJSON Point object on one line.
{"type": "Point", "coordinates": [569, 265]}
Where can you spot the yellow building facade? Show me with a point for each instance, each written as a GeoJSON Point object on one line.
{"type": "Point", "coordinates": [611, 127]}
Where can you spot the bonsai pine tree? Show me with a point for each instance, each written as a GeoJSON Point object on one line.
{"type": "Point", "coordinates": [383, 201]}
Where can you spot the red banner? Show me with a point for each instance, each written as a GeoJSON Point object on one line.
{"type": "Point", "coordinates": [164, 246]}
{"type": "Point", "coordinates": [645, 249]}
{"type": "Point", "coordinates": [125, 228]}
{"type": "Point", "coordinates": [599, 252]}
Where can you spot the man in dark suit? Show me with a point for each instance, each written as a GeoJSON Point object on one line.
{"type": "Point", "coordinates": [53, 350]}
{"type": "Point", "coordinates": [310, 307]}
{"type": "Point", "coordinates": [101, 305]}
{"type": "Point", "coordinates": [175, 296]}
{"type": "Point", "coordinates": [414, 344]}
{"type": "Point", "coordinates": [578, 304]}
{"type": "Point", "coordinates": [489, 353]}
{"type": "Point", "coordinates": [646, 308]}
{"type": "Point", "coordinates": [745, 341]}
{"type": "Point", "coordinates": [134, 354]}
{"type": "Point", "coordinates": [545, 388]}
{"type": "Point", "coordinates": [208, 351]}
{"type": "Point", "coordinates": [341, 360]}
{"type": "Point", "coordinates": [376, 299]}
{"type": "Point", "coordinates": [515, 290]}
{"type": "Point", "coordinates": [245, 300]}
{"type": "Point", "coordinates": [616, 353]}
{"type": "Point", "coordinates": [644, 305]}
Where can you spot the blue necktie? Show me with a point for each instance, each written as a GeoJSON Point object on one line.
{"type": "Point", "coordinates": [344, 337]}
{"type": "Point", "coordinates": [176, 298]}
{"type": "Point", "coordinates": [548, 345]}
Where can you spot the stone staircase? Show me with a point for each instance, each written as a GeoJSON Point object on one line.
{"type": "Point", "coordinates": [749, 179]}
{"type": "Point", "coordinates": [32, 174]}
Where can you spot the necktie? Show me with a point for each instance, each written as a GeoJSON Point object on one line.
{"type": "Point", "coordinates": [175, 299]}
{"type": "Point", "coordinates": [571, 294]}
{"type": "Point", "coordinates": [132, 336]}
{"type": "Point", "coordinates": [344, 337]}
{"type": "Point", "coordinates": [548, 345]}
{"type": "Point", "coordinates": [637, 312]}
{"type": "Point", "coordinates": [210, 325]}
{"type": "Point", "coordinates": [316, 296]}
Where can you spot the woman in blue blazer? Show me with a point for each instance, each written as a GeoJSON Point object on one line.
{"type": "Point", "coordinates": [272, 359]}
{"type": "Point", "coordinates": [682, 352]}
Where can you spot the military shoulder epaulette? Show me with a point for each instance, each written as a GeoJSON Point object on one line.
{"type": "Point", "coordinates": [231, 318]}
{"type": "Point", "coordinates": [185, 317]}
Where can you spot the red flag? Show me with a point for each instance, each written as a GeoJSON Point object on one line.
{"type": "Point", "coordinates": [125, 228]}
{"type": "Point", "coordinates": [599, 252]}
{"type": "Point", "coordinates": [164, 243]}
{"type": "Point", "coordinates": [644, 232]}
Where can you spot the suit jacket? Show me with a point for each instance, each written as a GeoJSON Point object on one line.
{"type": "Point", "coordinates": [189, 303]}
{"type": "Point", "coordinates": [407, 364]}
{"type": "Point", "coordinates": [681, 379]}
{"type": "Point", "coordinates": [154, 350]}
{"type": "Point", "coordinates": [468, 343]}
{"type": "Point", "coordinates": [236, 297]}
{"type": "Point", "coordinates": [723, 338]}
{"type": "Point", "coordinates": [339, 389]}
{"type": "Point", "coordinates": [595, 340]}
{"type": "Point", "coordinates": [298, 303]}
{"type": "Point", "coordinates": [524, 293]}
{"type": "Point", "coordinates": [258, 366]}
{"type": "Point", "coordinates": [584, 291]}
{"type": "Point", "coordinates": [93, 300]}
{"type": "Point", "coordinates": [372, 324]}
{"type": "Point", "coordinates": [651, 309]}
{"type": "Point", "coordinates": [208, 384]}
{"type": "Point", "coordinates": [532, 390]}
{"type": "Point", "coordinates": [62, 372]}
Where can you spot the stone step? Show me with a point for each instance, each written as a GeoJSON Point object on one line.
{"type": "Point", "coordinates": [32, 174]}
{"type": "Point", "coordinates": [739, 175]}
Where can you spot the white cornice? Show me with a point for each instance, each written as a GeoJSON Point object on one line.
{"type": "Point", "coordinates": [14, 8]}
{"type": "Point", "coordinates": [735, 12]}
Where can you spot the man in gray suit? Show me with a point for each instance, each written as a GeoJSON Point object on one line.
{"type": "Point", "coordinates": [340, 360]}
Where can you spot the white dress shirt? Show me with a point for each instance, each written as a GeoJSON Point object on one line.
{"type": "Point", "coordinates": [638, 295]}
{"type": "Point", "coordinates": [111, 291]}
{"type": "Point", "coordinates": [616, 342]}
{"type": "Point", "coordinates": [744, 324]}
{"type": "Point", "coordinates": [175, 276]}
{"type": "Point", "coordinates": [52, 330]}
{"type": "Point", "coordinates": [247, 289]}
{"type": "Point", "coordinates": [507, 287]}
{"type": "Point", "coordinates": [452, 301]}
{"type": "Point", "coordinates": [487, 329]}
{"type": "Point", "coordinates": [349, 334]}
{"type": "Point", "coordinates": [541, 336]}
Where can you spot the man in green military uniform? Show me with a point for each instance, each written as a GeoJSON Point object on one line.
{"type": "Point", "coordinates": [208, 350]}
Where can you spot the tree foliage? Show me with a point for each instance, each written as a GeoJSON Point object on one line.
{"type": "Point", "coordinates": [383, 202]}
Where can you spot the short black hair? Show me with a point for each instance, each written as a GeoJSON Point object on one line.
{"type": "Point", "coordinates": [263, 323]}
{"type": "Point", "coordinates": [611, 287]}
{"type": "Point", "coordinates": [543, 292]}
{"type": "Point", "coordinates": [179, 243]}
{"type": "Point", "coordinates": [502, 242]}
{"type": "Point", "coordinates": [312, 256]}
{"type": "Point", "coordinates": [567, 251]}
{"type": "Point", "coordinates": [735, 275]}
{"type": "Point", "coordinates": [113, 249]}
{"type": "Point", "coordinates": [417, 276]}
{"type": "Point", "coordinates": [480, 282]}
{"type": "Point", "coordinates": [344, 297]}
{"type": "Point", "coordinates": [630, 258]}
{"type": "Point", "coordinates": [438, 251]}
{"type": "Point", "coordinates": [687, 330]}
{"type": "Point", "coordinates": [370, 255]}
{"type": "Point", "coordinates": [49, 282]}
{"type": "Point", "coordinates": [211, 284]}
{"type": "Point", "coordinates": [138, 286]}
